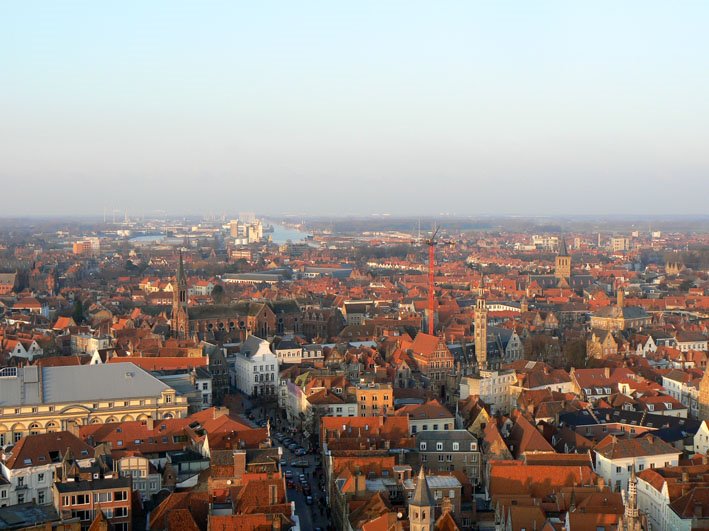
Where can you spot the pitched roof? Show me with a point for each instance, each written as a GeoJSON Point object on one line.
{"type": "Point", "coordinates": [422, 495]}
{"type": "Point", "coordinates": [46, 448]}
{"type": "Point", "coordinates": [612, 447]}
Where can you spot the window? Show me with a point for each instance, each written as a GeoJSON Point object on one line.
{"type": "Point", "coordinates": [20, 498]}
{"type": "Point", "coordinates": [205, 386]}
{"type": "Point", "coordinates": [120, 512]}
{"type": "Point", "coordinates": [102, 497]}
{"type": "Point", "coordinates": [440, 458]}
{"type": "Point", "coordinates": [120, 495]}
{"type": "Point", "coordinates": [456, 446]}
{"type": "Point", "coordinates": [40, 477]}
{"type": "Point", "coordinates": [439, 446]}
{"type": "Point", "coordinates": [641, 467]}
{"type": "Point", "coordinates": [435, 427]}
{"type": "Point", "coordinates": [20, 481]}
{"type": "Point", "coordinates": [80, 499]}
{"type": "Point", "coordinates": [40, 497]}
{"type": "Point", "coordinates": [422, 446]}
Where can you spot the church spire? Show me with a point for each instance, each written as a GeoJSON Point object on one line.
{"type": "Point", "coordinates": [180, 319]}
{"type": "Point", "coordinates": [421, 506]}
{"type": "Point", "coordinates": [181, 278]}
{"type": "Point", "coordinates": [422, 495]}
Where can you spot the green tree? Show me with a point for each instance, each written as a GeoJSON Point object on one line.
{"type": "Point", "coordinates": [78, 314]}
{"type": "Point", "coordinates": [218, 294]}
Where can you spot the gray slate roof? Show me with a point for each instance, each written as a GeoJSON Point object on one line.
{"type": "Point", "coordinates": [78, 383]}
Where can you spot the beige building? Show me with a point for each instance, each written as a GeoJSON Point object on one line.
{"type": "Point", "coordinates": [375, 399]}
{"type": "Point", "coordinates": [48, 399]}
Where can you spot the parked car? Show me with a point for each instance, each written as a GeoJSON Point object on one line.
{"type": "Point", "coordinates": [309, 500]}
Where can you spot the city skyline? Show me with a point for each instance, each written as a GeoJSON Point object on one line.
{"type": "Point", "coordinates": [468, 108]}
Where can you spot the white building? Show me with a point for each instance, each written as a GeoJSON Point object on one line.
{"type": "Point", "coordinates": [288, 352]}
{"type": "Point", "coordinates": [312, 353]}
{"type": "Point", "coordinates": [493, 387]}
{"type": "Point", "coordinates": [255, 369]}
{"type": "Point", "coordinates": [701, 439]}
{"type": "Point", "coordinates": [682, 387]}
{"type": "Point", "coordinates": [30, 466]}
{"type": "Point", "coordinates": [25, 349]}
{"type": "Point", "coordinates": [616, 456]}
{"type": "Point", "coordinates": [659, 490]}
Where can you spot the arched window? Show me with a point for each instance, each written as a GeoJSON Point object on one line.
{"type": "Point", "coordinates": [34, 428]}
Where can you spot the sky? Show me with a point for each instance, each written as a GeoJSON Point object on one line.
{"type": "Point", "coordinates": [337, 108]}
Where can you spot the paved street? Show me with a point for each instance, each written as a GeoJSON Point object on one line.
{"type": "Point", "coordinates": [311, 516]}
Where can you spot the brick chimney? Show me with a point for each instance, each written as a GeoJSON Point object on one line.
{"type": "Point", "coordinates": [239, 463]}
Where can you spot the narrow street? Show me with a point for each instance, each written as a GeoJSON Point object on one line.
{"type": "Point", "coordinates": [312, 516]}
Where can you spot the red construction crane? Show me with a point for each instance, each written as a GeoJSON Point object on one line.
{"type": "Point", "coordinates": [432, 242]}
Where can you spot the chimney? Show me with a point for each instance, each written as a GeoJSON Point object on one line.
{"type": "Point", "coordinates": [239, 463]}
{"type": "Point", "coordinates": [621, 297]}
{"type": "Point", "coordinates": [150, 424]}
{"type": "Point", "coordinates": [685, 477]}
{"type": "Point", "coordinates": [607, 372]}
{"type": "Point", "coordinates": [273, 494]}
{"type": "Point", "coordinates": [446, 505]}
{"type": "Point", "coordinates": [601, 483]}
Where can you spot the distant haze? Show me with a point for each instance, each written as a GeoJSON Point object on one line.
{"type": "Point", "coordinates": [333, 108]}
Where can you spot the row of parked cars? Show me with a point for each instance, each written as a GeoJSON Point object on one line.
{"type": "Point", "coordinates": [289, 443]}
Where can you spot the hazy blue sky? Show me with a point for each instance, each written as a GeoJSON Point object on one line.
{"type": "Point", "coordinates": [518, 107]}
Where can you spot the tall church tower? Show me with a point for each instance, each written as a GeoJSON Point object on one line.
{"type": "Point", "coordinates": [180, 319]}
{"type": "Point", "coordinates": [422, 506]}
{"type": "Point", "coordinates": [563, 261]}
{"type": "Point", "coordinates": [481, 333]}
